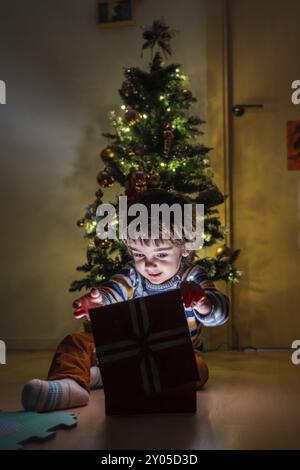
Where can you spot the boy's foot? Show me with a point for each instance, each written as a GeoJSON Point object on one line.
{"type": "Point", "coordinates": [43, 395]}
{"type": "Point", "coordinates": [95, 378]}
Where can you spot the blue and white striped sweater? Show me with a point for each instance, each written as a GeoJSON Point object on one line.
{"type": "Point", "coordinates": [128, 283]}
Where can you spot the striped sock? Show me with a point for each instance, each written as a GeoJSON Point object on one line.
{"type": "Point", "coordinates": [95, 378]}
{"type": "Point", "coordinates": [43, 395]}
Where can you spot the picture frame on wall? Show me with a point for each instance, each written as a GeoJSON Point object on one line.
{"type": "Point", "coordinates": [114, 13]}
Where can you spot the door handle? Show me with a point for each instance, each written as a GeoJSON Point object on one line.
{"type": "Point", "coordinates": [240, 109]}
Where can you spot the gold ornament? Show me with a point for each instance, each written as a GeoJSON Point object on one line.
{"type": "Point", "coordinates": [81, 223]}
{"type": "Point", "coordinates": [105, 179]}
{"type": "Point", "coordinates": [107, 154]}
{"type": "Point", "coordinates": [132, 117]}
{"type": "Point", "coordinates": [223, 251]}
{"type": "Point", "coordinates": [168, 138]}
{"type": "Point", "coordinates": [103, 244]}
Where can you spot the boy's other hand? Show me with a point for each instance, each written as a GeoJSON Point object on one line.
{"type": "Point", "coordinates": [86, 302]}
{"type": "Point", "coordinates": [193, 296]}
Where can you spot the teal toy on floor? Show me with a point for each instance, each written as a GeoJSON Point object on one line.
{"type": "Point", "coordinates": [23, 426]}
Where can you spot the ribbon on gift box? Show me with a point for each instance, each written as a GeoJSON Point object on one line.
{"type": "Point", "coordinates": [144, 343]}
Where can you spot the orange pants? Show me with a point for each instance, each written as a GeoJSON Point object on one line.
{"type": "Point", "coordinates": [76, 354]}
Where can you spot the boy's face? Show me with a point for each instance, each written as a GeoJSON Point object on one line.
{"type": "Point", "coordinates": [157, 263]}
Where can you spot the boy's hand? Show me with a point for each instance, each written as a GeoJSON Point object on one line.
{"type": "Point", "coordinates": [88, 301]}
{"type": "Point", "coordinates": [193, 296]}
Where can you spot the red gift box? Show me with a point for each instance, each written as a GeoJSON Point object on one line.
{"type": "Point", "coordinates": [145, 355]}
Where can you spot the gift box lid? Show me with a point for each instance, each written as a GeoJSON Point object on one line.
{"type": "Point", "coordinates": [144, 344]}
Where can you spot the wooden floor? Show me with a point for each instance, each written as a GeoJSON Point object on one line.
{"type": "Point", "coordinates": [252, 401]}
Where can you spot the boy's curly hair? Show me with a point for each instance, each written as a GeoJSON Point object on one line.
{"type": "Point", "coordinates": [161, 196]}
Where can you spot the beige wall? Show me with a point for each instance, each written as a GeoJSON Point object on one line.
{"type": "Point", "coordinates": [62, 75]}
{"type": "Point", "coordinates": [265, 194]}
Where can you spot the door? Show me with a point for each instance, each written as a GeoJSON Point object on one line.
{"type": "Point", "coordinates": [263, 44]}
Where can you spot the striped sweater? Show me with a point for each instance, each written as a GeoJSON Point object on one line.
{"type": "Point", "coordinates": [128, 283]}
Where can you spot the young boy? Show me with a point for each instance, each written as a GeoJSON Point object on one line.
{"type": "Point", "coordinates": [158, 265]}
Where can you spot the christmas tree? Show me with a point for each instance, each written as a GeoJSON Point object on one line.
{"type": "Point", "coordinates": [155, 145]}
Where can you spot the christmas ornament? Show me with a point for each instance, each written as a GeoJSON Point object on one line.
{"type": "Point", "coordinates": [128, 88]}
{"type": "Point", "coordinates": [81, 223]}
{"type": "Point", "coordinates": [140, 181]}
{"type": "Point", "coordinates": [153, 180]}
{"type": "Point", "coordinates": [105, 178]}
{"type": "Point", "coordinates": [135, 183]}
{"type": "Point", "coordinates": [223, 251]}
{"type": "Point", "coordinates": [103, 244]}
{"type": "Point", "coordinates": [160, 35]}
{"type": "Point", "coordinates": [107, 154]}
{"type": "Point", "coordinates": [131, 117]}
{"type": "Point", "coordinates": [168, 138]}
